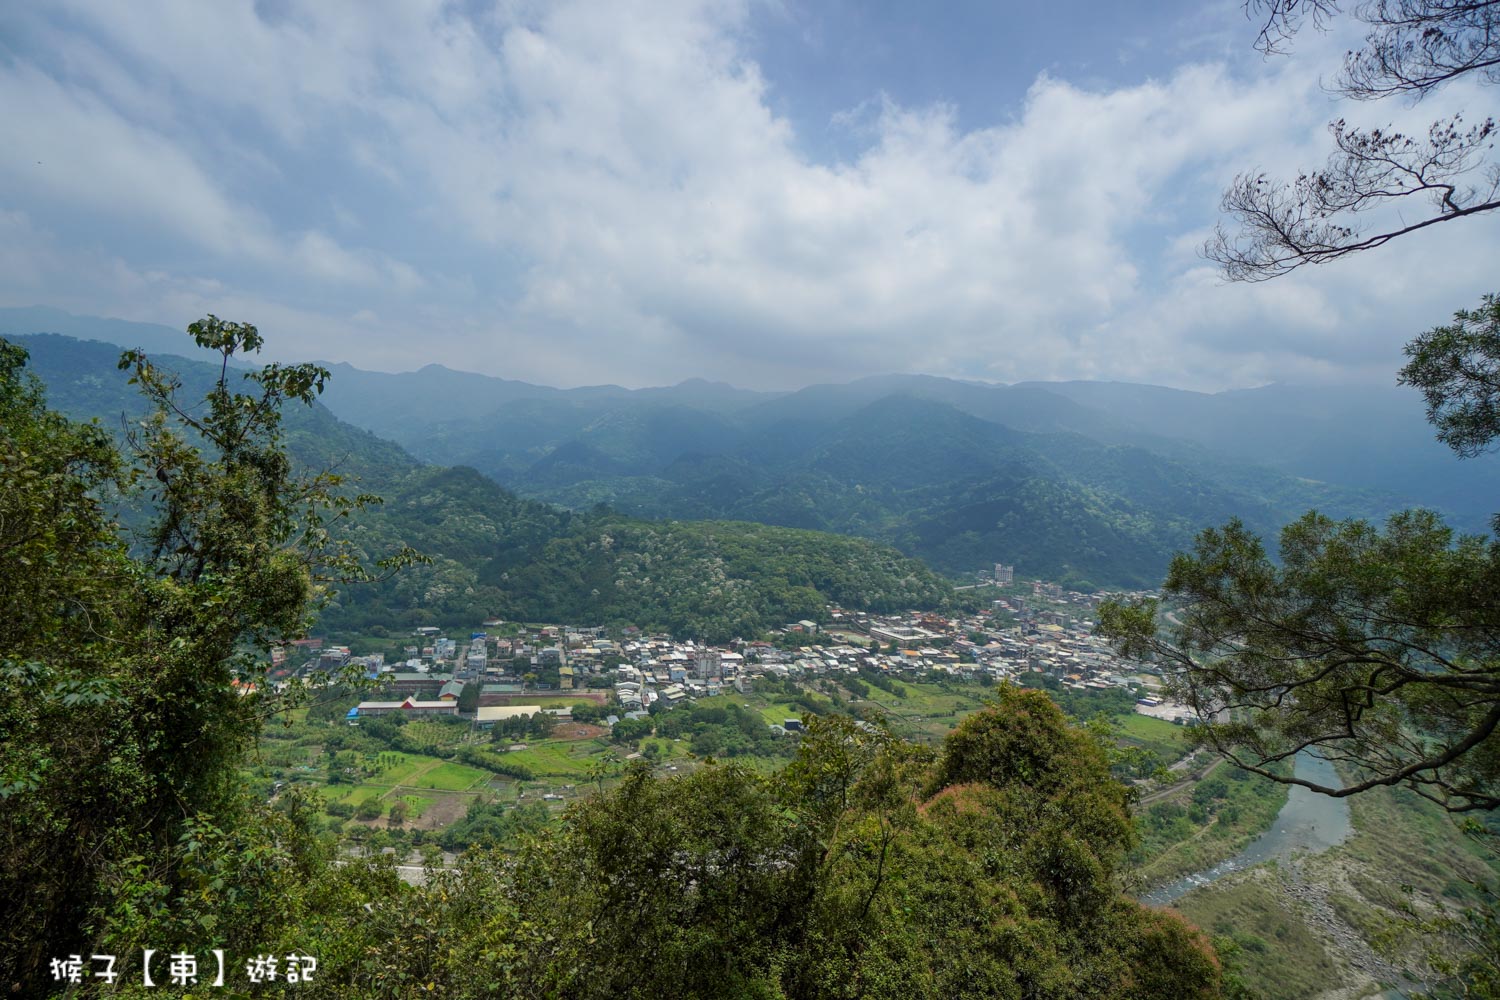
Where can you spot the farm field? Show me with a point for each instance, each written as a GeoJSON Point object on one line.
{"type": "Point", "coordinates": [1167, 740]}
{"type": "Point", "coordinates": [774, 713]}
{"type": "Point", "coordinates": [358, 775]}
{"type": "Point", "coordinates": [926, 711]}
{"type": "Point", "coordinates": [569, 759]}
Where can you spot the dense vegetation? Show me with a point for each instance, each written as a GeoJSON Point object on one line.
{"type": "Point", "coordinates": [121, 717]}
{"type": "Point", "coordinates": [495, 554]}
{"type": "Point", "coordinates": [728, 731]}
{"type": "Point", "coordinates": [950, 487]}
{"type": "Point", "coordinates": [868, 867]}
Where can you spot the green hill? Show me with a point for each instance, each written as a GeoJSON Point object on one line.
{"type": "Point", "coordinates": [1079, 482]}
{"type": "Point", "coordinates": [496, 554]}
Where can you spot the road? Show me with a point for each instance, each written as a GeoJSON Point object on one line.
{"type": "Point", "coordinates": [1181, 766]}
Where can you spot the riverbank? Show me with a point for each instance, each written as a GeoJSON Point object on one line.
{"type": "Point", "coordinates": [1305, 823]}
{"type": "Point", "coordinates": [1328, 925]}
{"type": "Point", "coordinates": [1202, 823]}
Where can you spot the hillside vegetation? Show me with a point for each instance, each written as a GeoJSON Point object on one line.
{"type": "Point", "coordinates": [496, 554]}
{"type": "Point", "coordinates": [958, 490]}
{"type": "Point", "coordinates": [1084, 483]}
{"type": "Point", "coordinates": [133, 687]}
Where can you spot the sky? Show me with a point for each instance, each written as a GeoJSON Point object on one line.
{"type": "Point", "coordinates": [770, 194]}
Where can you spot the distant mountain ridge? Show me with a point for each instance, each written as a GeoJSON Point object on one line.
{"type": "Point", "coordinates": [1086, 481]}
{"type": "Point", "coordinates": [495, 553]}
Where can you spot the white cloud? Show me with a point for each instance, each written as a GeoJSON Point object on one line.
{"type": "Point", "coordinates": [583, 193]}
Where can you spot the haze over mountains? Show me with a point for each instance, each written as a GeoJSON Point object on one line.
{"type": "Point", "coordinates": [1092, 482]}
{"type": "Point", "coordinates": [494, 553]}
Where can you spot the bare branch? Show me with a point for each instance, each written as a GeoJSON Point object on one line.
{"type": "Point", "coordinates": [1282, 19]}
{"type": "Point", "coordinates": [1283, 226]}
{"type": "Point", "coordinates": [1412, 48]}
{"type": "Point", "coordinates": [1416, 46]}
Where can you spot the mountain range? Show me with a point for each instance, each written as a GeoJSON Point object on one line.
{"type": "Point", "coordinates": [493, 553]}
{"type": "Point", "coordinates": [1084, 482]}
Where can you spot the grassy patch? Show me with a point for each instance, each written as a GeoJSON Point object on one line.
{"type": "Point", "coordinates": [559, 758]}
{"type": "Point", "coordinates": [927, 712]}
{"type": "Point", "coordinates": [449, 777]}
{"type": "Point", "coordinates": [1406, 840]}
{"type": "Point", "coordinates": [1168, 740]}
{"type": "Point", "coordinates": [415, 805]}
{"type": "Point", "coordinates": [773, 714]}
{"type": "Point", "coordinates": [1280, 955]}
{"type": "Point", "coordinates": [357, 793]}
{"type": "Point", "coordinates": [438, 734]}
{"type": "Point", "coordinates": [392, 768]}
{"type": "Point", "coordinates": [1359, 914]}
{"type": "Point", "coordinates": [1197, 827]}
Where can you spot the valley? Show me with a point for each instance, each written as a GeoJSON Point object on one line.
{"type": "Point", "coordinates": [613, 524]}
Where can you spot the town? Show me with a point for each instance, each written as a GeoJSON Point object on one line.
{"type": "Point", "coordinates": [428, 742]}
{"type": "Point", "coordinates": [517, 670]}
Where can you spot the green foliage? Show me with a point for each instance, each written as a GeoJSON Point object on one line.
{"type": "Point", "coordinates": [493, 553]}
{"type": "Point", "coordinates": [855, 872]}
{"type": "Point", "coordinates": [495, 824]}
{"type": "Point", "coordinates": [883, 681]}
{"type": "Point", "coordinates": [468, 698]}
{"type": "Point", "coordinates": [727, 731]}
{"type": "Point", "coordinates": [535, 726]}
{"type": "Point", "coordinates": [1457, 367]}
{"type": "Point", "coordinates": [496, 763]}
{"type": "Point", "coordinates": [868, 867]}
{"type": "Point", "coordinates": [588, 711]}
{"type": "Point", "coordinates": [1193, 831]}
{"type": "Point", "coordinates": [122, 718]}
{"type": "Point", "coordinates": [1371, 646]}
{"type": "Point", "coordinates": [1377, 648]}
{"type": "Point", "coordinates": [631, 730]}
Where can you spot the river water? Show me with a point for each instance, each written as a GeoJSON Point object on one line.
{"type": "Point", "coordinates": [1309, 823]}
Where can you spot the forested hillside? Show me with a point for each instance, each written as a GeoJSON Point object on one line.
{"type": "Point", "coordinates": [496, 554]}
{"type": "Point", "coordinates": [957, 490]}
{"type": "Point", "coordinates": [1080, 482]}
{"type": "Point", "coordinates": [960, 475]}
{"type": "Point", "coordinates": [133, 676]}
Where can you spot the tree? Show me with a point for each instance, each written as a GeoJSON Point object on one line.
{"type": "Point", "coordinates": [587, 711]}
{"type": "Point", "coordinates": [1379, 649]}
{"type": "Point", "coordinates": [869, 867]}
{"type": "Point", "coordinates": [1457, 368]}
{"type": "Point", "coordinates": [1412, 48]}
{"type": "Point", "coordinates": [132, 668]}
{"type": "Point", "coordinates": [468, 698]}
{"type": "Point", "coordinates": [630, 730]}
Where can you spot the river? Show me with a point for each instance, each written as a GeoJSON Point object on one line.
{"type": "Point", "coordinates": [1309, 823]}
